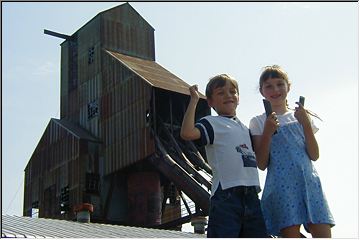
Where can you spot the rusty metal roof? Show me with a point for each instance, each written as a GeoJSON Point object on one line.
{"type": "Point", "coordinates": [27, 227]}
{"type": "Point", "coordinates": [153, 73]}
{"type": "Point", "coordinates": [77, 131]}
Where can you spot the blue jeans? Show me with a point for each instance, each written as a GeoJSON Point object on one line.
{"type": "Point", "coordinates": [236, 212]}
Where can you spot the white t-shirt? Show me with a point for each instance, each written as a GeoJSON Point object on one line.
{"type": "Point", "coordinates": [229, 152]}
{"type": "Point", "coordinates": [257, 123]}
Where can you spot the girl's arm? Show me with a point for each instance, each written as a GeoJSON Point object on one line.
{"type": "Point", "coordinates": [262, 142]}
{"type": "Point", "coordinates": [188, 130]}
{"type": "Point", "coordinates": [312, 147]}
{"type": "Point", "coordinates": [262, 149]}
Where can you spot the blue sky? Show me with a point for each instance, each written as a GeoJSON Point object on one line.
{"type": "Point", "coordinates": [316, 43]}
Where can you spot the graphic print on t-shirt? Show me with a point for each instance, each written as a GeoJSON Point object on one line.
{"type": "Point", "coordinates": [248, 157]}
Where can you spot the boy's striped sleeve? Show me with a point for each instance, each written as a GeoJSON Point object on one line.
{"type": "Point", "coordinates": [206, 130]}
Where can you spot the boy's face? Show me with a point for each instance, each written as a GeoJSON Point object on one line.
{"type": "Point", "coordinates": [224, 100]}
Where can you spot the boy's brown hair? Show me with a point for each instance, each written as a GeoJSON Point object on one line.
{"type": "Point", "coordinates": [219, 81]}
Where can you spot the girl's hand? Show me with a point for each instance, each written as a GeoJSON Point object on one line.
{"type": "Point", "coordinates": [194, 93]}
{"type": "Point", "coordinates": [271, 124]}
{"type": "Point", "coordinates": [301, 115]}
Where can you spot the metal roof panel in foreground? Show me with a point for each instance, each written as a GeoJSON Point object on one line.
{"type": "Point", "coordinates": [153, 73]}
{"type": "Point", "coordinates": [26, 227]}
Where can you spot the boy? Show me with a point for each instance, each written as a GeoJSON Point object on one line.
{"type": "Point", "coordinates": [234, 204]}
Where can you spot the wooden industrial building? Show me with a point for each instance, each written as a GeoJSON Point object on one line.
{"type": "Point", "coordinates": [117, 144]}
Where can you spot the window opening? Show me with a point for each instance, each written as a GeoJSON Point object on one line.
{"type": "Point", "coordinates": [91, 53]}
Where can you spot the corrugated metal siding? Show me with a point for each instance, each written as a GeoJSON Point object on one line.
{"type": "Point", "coordinates": [122, 96]}
{"type": "Point", "coordinates": [124, 30]}
{"type": "Point", "coordinates": [64, 76]}
{"type": "Point", "coordinates": [25, 227]}
{"type": "Point", "coordinates": [73, 81]}
{"type": "Point", "coordinates": [90, 92]}
{"type": "Point", "coordinates": [73, 105]}
{"type": "Point", "coordinates": [87, 37]}
{"type": "Point", "coordinates": [69, 81]}
{"type": "Point", "coordinates": [116, 31]}
{"type": "Point", "coordinates": [89, 74]}
{"type": "Point", "coordinates": [55, 163]}
{"type": "Point", "coordinates": [122, 87]}
{"type": "Point", "coordinates": [124, 103]}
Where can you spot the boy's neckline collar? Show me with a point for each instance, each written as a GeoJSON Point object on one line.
{"type": "Point", "coordinates": [232, 117]}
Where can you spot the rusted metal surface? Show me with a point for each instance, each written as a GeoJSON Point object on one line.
{"type": "Point", "coordinates": [115, 99]}
{"type": "Point", "coordinates": [124, 30]}
{"type": "Point", "coordinates": [125, 102]}
{"type": "Point", "coordinates": [153, 73]}
{"type": "Point", "coordinates": [144, 199]}
{"type": "Point", "coordinates": [76, 131]}
{"type": "Point", "coordinates": [181, 178]}
{"type": "Point", "coordinates": [56, 163]}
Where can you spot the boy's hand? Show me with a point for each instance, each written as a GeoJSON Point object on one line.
{"type": "Point", "coordinates": [188, 130]}
{"type": "Point", "coordinates": [271, 124]}
{"type": "Point", "coordinates": [194, 93]}
{"type": "Point", "coordinates": [301, 115]}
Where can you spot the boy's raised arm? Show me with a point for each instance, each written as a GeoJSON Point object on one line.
{"type": "Point", "coordinates": [188, 129]}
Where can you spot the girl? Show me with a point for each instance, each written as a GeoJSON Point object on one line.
{"type": "Point", "coordinates": [292, 194]}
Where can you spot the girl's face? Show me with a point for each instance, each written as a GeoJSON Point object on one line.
{"type": "Point", "coordinates": [225, 100]}
{"type": "Point", "coordinates": [275, 90]}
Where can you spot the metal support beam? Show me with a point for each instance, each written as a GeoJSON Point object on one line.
{"type": "Point", "coordinates": [59, 35]}
{"type": "Point", "coordinates": [183, 181]}
{"type": "Point", "coordinates": [185, 203]}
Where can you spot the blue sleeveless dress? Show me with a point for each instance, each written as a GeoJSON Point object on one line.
{"type": "Point", "coordinates": [292, 194]}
